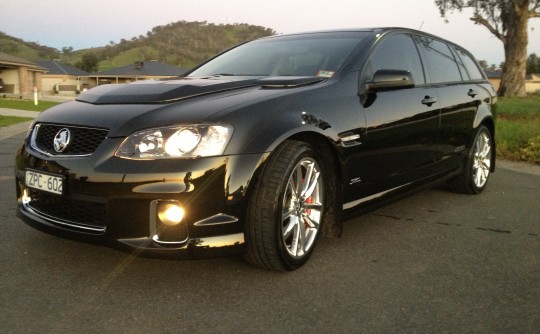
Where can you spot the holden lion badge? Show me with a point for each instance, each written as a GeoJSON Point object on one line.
{"type": "Point", "coordinates": [61, 140]}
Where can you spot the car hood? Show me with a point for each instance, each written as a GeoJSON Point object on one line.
{"type": "Point", "coordinates": [164, 91]}
{"type": "Point", "coordinates": [125, 108]}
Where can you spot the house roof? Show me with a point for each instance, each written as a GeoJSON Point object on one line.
{"type": "Point", "coordinates": [493, 74]}
{"type": "Point", "coordinates": [138, 69]}
{"type": "Point", "coordinates": [12, 61]}
{"type": "Point", "coordinates": [58, 68]}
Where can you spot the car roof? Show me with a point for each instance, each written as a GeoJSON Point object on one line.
{"type": "Point", "coordinates": [373, 30]}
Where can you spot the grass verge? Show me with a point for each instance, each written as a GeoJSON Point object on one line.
{"type": "Point", "coordinates": [26, 104]}
{"type": "Point", "coordinates": [10, 120]}
{"type": "Point", "coordinates": [518, 128]}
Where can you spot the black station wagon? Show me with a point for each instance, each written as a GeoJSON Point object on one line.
{"type": "Point", "coordinates": [261, 149]}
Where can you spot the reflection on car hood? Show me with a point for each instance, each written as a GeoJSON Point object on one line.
{"type": "Point", "coordinates": [171, 90]}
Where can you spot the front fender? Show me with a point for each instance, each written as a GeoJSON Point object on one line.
{"type": "Point", "coordinates": [267, 134]}
{"type": "Point", "coordinates": [325, 109]}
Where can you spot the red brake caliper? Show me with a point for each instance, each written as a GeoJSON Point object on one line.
{"type": "Point", "coordinates": [308, 201]}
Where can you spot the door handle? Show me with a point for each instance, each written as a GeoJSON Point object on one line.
{"type": "Point", "coordinates": [428, 100]}
{"type": "Point", "coordinates": [472, 93]}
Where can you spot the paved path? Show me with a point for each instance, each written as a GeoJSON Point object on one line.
{"type": "Point", "coordinates": [12, 130]}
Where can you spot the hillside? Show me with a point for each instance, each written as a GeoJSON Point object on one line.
{"type": "Point", "coordinates": [182, 44]}
{"type": "Point", "coordinates": [26, 50]}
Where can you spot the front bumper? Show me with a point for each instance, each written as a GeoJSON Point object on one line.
{"type": "Point", "coordinates": [116, 201]}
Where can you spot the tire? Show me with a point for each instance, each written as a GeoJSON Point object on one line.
{"type": "Point", "coordinates": [477, 165]}
{"type": "Point", "coordinates": [285, 210]}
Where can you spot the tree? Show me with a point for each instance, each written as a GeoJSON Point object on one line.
{"type": "Point", "coordinates": [89, 62]}
{"type": "Point", "coordinates": [67, 50]}
{"type": "Point", "coordinates": [507, 20]}
{"type": "Point", "coordinates": [483, 64]}
{"type": "Point", "coordinates": [533, 64]}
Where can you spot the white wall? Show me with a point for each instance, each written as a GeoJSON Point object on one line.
{"type": "Point", "coordinates": [11, 77]}
{"type": "Point", "coordinates": [532, 87]}
{"type": "Point", "coordinates": [49, 81]}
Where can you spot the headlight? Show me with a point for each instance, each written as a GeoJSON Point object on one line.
{"type": "Point", "coordinates": [188, 141]}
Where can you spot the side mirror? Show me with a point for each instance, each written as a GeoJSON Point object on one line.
{"type": "Point", "coordinates": [389, 80]}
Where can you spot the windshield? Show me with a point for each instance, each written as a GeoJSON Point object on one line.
{"type": "Point", "coordinates": [301, 55]}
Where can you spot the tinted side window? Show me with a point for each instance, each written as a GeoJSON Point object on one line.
{"type": "Point", "coordinates": [462, 69]}
{"type": "Point", "coordinates": [441, 62]}
{"type": "Point", "coordinates": [397, 52]}
{"type": "Point", "coordinates": [470, 65]}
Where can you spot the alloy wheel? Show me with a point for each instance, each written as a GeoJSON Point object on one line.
{"type": "Point", "coordinates": [482, 160]}
{"type": "Point", "coordinates": [302, 208]}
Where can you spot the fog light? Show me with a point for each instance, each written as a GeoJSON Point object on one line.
{"type": "Point", "coordinates": [25, 198]}
{"type": "Point", "coordinates": [170, 214]}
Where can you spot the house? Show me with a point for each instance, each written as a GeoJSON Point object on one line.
{"type": "Point", "coordinates": [19, 76]}
{"type": "Point", "coordinates": [532, 83]}
{"type": "Point", "coordinates": [494, 77]}
{"type": "Point", "coordinates": [137, 71]}
{"type": "Point", "coordinates": [62, 79]}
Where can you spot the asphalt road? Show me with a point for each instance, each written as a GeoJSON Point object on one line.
{"type": "Point", "coordinates": [435, 262]}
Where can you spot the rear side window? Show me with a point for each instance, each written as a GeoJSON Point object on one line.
{"type": "Point", "coordinates": [470, 66]}
{"type": "Point", "coordinates": [441, 63]}
{"type": "Point", "coordinates": [396, 52]}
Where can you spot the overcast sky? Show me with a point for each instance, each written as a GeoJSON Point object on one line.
{"type": "Point", "coordinates": [85, 24]}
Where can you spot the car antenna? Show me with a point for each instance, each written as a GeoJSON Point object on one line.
{"type": "Point", "coordinates": [421, 25]}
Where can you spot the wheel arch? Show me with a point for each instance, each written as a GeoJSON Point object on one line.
{"type": "Point", "coordinates": [264, 195]}
{"type": "Point", "coordinates": [485, 116]}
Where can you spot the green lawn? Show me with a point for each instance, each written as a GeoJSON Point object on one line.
{"type": "Point", "coordinates": [10, 120]}
{"type": "Point", "coordinates": [26, 104]}
{"type": "Point", "coordinates": [518, 128]}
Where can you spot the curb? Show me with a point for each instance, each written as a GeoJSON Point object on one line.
{"type": "Point", "coordinates": [516, 166]}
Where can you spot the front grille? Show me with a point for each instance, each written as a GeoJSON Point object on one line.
{"type": "Point", "coordinates": [70, 211]}
{"type": "Point", "coordinates": [84, 141]}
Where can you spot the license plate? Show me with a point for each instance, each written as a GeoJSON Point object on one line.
{"type": "Point", "coordinates": [46, 182]}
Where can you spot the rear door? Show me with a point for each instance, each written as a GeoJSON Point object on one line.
{"type": "Point", "coordinates": [460, 96]}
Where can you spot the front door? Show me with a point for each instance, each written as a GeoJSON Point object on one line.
{"type": "Point", "coordinates": [401, 124]}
